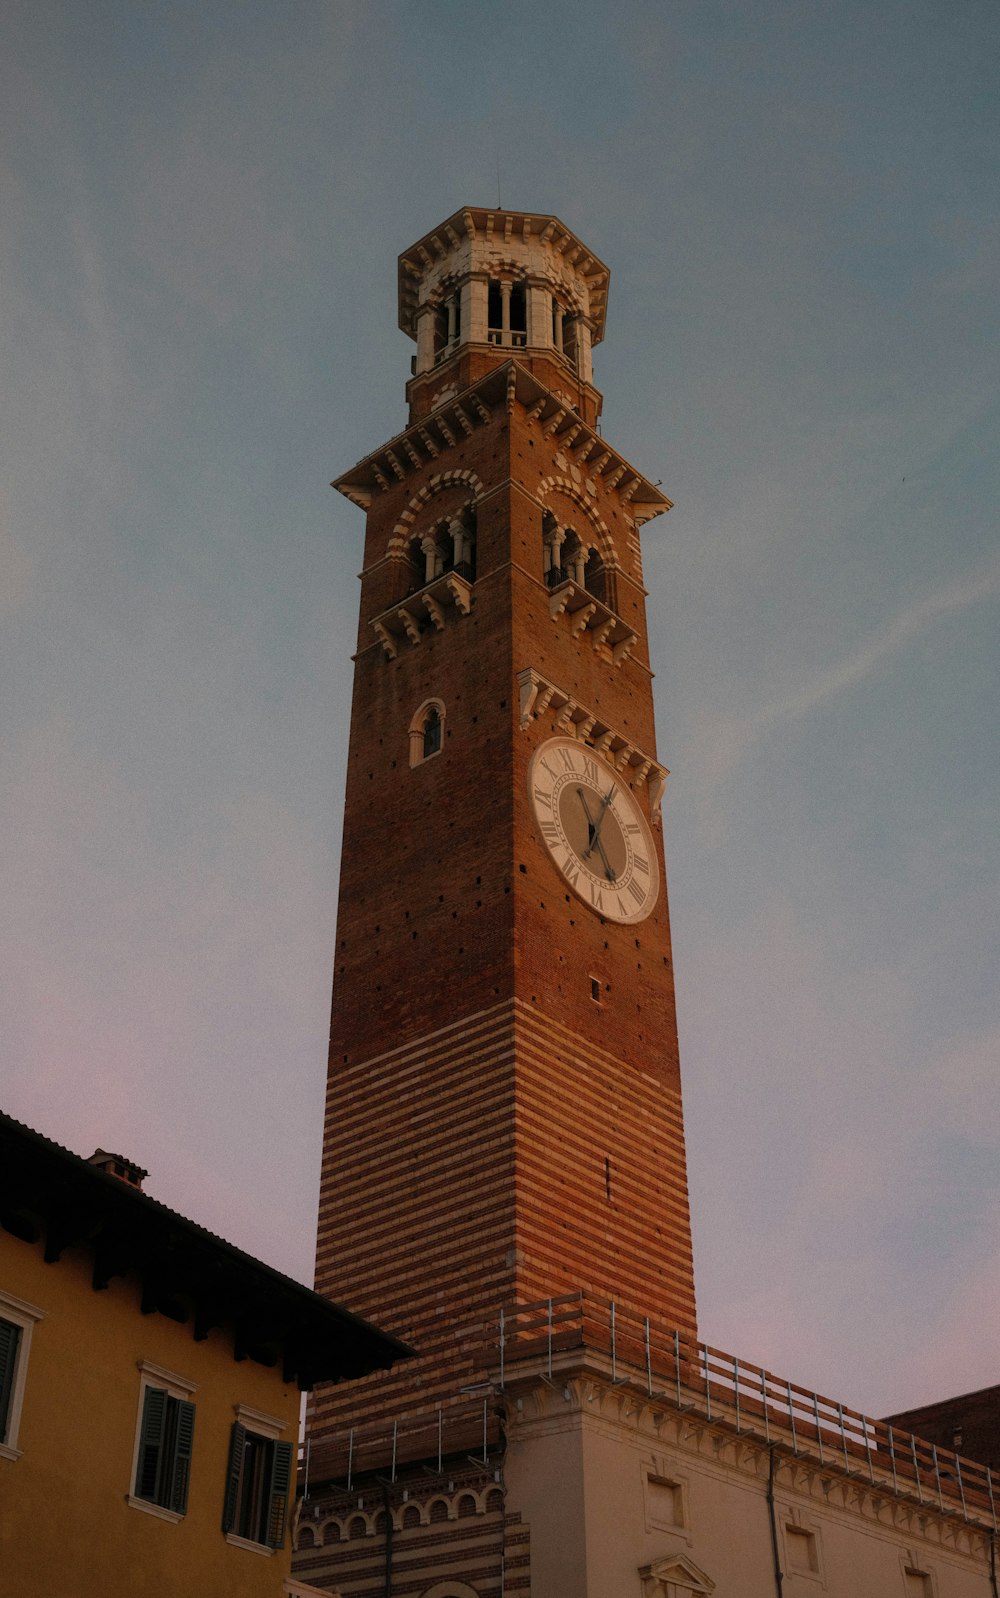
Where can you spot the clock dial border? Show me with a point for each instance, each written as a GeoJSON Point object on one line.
{"type": "Point", "coordinates": [560, 762]}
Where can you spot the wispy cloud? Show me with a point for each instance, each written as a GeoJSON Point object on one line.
{"type": "Point", "coordinates": [725, 743]}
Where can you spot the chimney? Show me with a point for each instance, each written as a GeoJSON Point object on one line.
{"type": "Point", "coordinates": [118, 1166]}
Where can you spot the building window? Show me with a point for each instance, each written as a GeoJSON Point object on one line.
{"type": "Point", "coordinates": [427, 732]}
{"type": "Point", "coordinates": [258, 1482]}
{"type": "Point", "coordinates": [161, 1470]}
{"type": "Point", "coordinates": [432, 732]}
{"type": "Point", "coordinates": [917, 1583]}
{"type": "Point", "coordinates": [16, 1322]}
{"type": "Point", "coordinates": [803, 1552]}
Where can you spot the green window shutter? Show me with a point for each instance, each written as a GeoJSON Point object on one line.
{"type": "Point", "coordinates": [10, 1341]}
{"type": "Point", "coordinates": [181, 1472]}
{"type": "Point", "coordinates": [151, 1436]}
{"type": "Point", "coordinates": [277, 1505]}
{"type": "Point", "coordinates": [233, 1471]}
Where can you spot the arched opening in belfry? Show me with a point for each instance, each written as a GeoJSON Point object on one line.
{"type": "Point", "coordinates": [595, 577]}
{"type": "Point", "coordinates": [507, 314]}
{"type": "Point", "coordinates": [518, 316]}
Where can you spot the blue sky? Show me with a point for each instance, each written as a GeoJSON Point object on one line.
{"type": "Point", "coordinates": [202, 207]}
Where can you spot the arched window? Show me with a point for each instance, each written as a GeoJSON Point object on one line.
{"type": "Point", "coordinates": [427, 731]}
{"type": "Point", "coordinates": [411, 1515]}
{"type": "Point", "coordinates": [466, 1506]}
{"type": "Point", "coordinates": [307, 1537]}
{"type": "Point", "coordinates": [381, 1522]}
{"type": "Point", "coordinates": [494, 1500]}
{"type": "Point", "coordinates": [439, 1510]}
{"type": "Point", "coordinates": [357, 1528]}
{"type": "Point", "coordinates": [331, 1532]}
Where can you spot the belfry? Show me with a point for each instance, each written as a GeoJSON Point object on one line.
{"type": "Point", "coordinates": [504, 1184]}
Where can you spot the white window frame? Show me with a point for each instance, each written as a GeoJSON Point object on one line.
{"type": "Point", "coordinates": [25, 1316]}
{"type": "Point", "coordinates": [174, 1386]}
{"type": "Point", "coordinates": [269, 1427]}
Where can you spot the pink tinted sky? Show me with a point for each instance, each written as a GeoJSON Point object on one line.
{"type": "Point", "coordinates": [203, 206]}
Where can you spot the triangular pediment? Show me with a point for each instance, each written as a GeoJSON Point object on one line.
{"type": "Point", "coordinates": [675, 1574]}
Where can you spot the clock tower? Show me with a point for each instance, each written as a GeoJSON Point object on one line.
{"type": "Point", "coordinates": [503, 1135]}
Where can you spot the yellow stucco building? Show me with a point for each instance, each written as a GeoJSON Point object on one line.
{"type": "Point", "coordinates": [150, 1376]}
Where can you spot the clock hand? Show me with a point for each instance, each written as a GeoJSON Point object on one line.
{"type": "Point", "coordinates": [600, 814]}
{"type": "Point", "coordinates": [594, 831]}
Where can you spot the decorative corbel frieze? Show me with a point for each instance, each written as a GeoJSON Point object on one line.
{"type": "Point", "coordinates": [410, 627]}
{"type": "Point", "coordinates": [461, 593]}
{"type": "Point", "coordinates": [537, 695]}
{"type": "Point", "coordinates": [385, 638]}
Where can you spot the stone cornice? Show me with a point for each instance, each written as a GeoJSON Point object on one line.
{"type": "Point", "coordinates": [538, 1402]}
{"type": "Point", "coordinates": [424, 441]}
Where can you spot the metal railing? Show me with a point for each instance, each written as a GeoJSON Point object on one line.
{"type": "Point", "coordinates": [696, 1377]}
{"type": "Point", "coordinates": [467, 1426]}
{"type": "Point", "coordinates": [550, 1337]}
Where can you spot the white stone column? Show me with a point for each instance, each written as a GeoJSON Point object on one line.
{"type": "Point", "coordinates": [505, 313]}
{"type": "Point", "coordinates": [474, 310]}
{"type": "Point", "coordinates": [425, 338]}
{"type": "Point", "coordinates": [451, 308]}
{"type": "Point", "coordinates": [539, 316]}
{"type": "Point", "coordinates": [584, 348]}
{"type": "Point", "coordinates": [552, 543]}
{"type": "Point", "coordinates": [432, 558]}
{"type": "Point", "coordinates": [460, 542]}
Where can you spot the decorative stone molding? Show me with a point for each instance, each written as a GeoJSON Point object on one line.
{"type": "Point", "coordinates": [404, 528]}
{"type": "Point", "coordinates": [675, 1577]}
{"type": "Point", "coordinates": [605, 544]}
{"type": "Point", "coordinates": [539, 1400]}
{"type": "Point", "coordinates": [538, 695]}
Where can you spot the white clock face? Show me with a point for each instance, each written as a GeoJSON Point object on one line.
{"type": "Point", "coordinates": [594, 830]}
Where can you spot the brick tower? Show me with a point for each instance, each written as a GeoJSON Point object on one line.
{"type": "Point", "coordinates": [503, 1117]}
